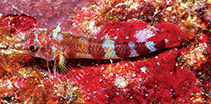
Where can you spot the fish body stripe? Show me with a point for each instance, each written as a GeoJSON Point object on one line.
{"type": "Point", "coordinates": [109, 49]}
{"type": "Point", "coordinates": [151, 46]}
{"type": "Point", "coordinates": [133, 52]}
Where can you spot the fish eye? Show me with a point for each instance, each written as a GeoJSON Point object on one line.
{"type": "Point", "coordinates": [32, 46]}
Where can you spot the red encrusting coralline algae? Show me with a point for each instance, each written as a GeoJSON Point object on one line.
{"type": "Point", "coordinates": [123, 31]}
{"type": "Point", "coordinates": [179, 73]}
{"type": "Point", "coordinates": [14, 23]}
{"type": "Point", "coordinates": [158, 78]}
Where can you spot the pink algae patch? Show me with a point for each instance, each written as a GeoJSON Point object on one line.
{"type": "Point", "coordinates": [48, 13]}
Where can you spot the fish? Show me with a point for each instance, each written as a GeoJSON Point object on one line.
{"type": "Point", "coordinates": [58, 46]}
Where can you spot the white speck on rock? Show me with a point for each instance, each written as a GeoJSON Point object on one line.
{"type": "Point", "coordinates": [140, 79]}
{"type": "Point", "coordinates": [143, 69]}
{"type": "Point", "coordinates": [121, 82]}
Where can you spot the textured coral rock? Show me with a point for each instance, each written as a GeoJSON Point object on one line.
{"type": "Point", "coordinates": [157, 78]}
{"type": "Point", "coordinates": [15, 23]}
{"type": "Point", "coordinates": [171, 75]}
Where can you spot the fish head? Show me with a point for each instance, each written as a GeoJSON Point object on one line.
{"type": "Point", "coordinates": [36, 43]}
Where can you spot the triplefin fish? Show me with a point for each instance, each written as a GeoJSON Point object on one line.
{"type": "Point", "coordinates": [48, 45]}
{"type": "Point", "coordinates": [57, 46]}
